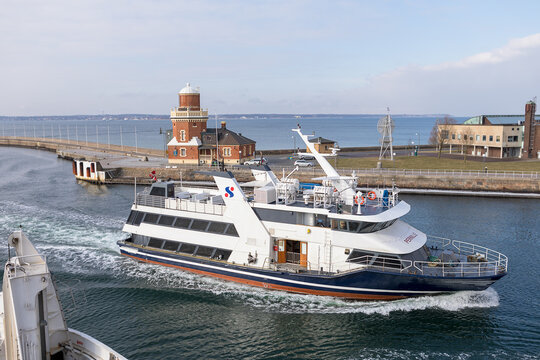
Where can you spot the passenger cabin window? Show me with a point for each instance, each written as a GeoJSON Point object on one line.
{"type": "Point", "coordinates": [231, 230]}
{"type": "Point", "coordinates": [155, 243]}
{"type": "Point", "coordinates": [182, 223]}
{"type": "Point", "coordinates": [166, 220]}
{"type": "Point", "coordinates": [170, 245]}
{"type": "Point", "coordinates": [131, 217]}
{"type": "Point", "coordinates": [138, 218]}
{"type": "Point", "coordinates": [217, 227]}
{"type": "Point", "coordinates": [361, 227]}
{"type": "Point", "coordinates": [187, 248]}
{"type": "Point", "coordinates": [150, 218]}
{"type": "Point", "coordinates": [204, 251]}
{"type": "Point", "coordinates": [199, 225]}
{"type": "Point", "coordinates": [157, 191]}
{"type": "Point", "coordinates": [222, 254]}
{"type": "Point", "coordinates": [360, 257]}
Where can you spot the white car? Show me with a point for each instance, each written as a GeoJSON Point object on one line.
{"type": "Point", "coordinates": [303, 163]}
{"type": "Point", "coordinates": [256, 161]}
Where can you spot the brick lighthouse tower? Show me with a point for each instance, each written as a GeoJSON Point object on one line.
{"type": "Point", "coordinates": [189, 121]}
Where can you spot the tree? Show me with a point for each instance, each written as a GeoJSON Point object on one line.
{"type": "Point", "coordinates": [467, 138]}
{"type": "Point", "coordinates": [440, 133]}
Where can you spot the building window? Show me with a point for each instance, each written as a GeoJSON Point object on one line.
{"type": "Point", "coordinates": [227, 151]}
{"type": "Point", "coordinates": [459, 137]}
{"type": "Point", "coordinates": [182, 152]}
{"type": "Point", "coordinates": [498, 138]}
{"type": "Point", "coordinates": [182, 135]}
{"type": "Point", "coordinates": [510, 139]}
{"type": "Point", "coordinates": [516, 138]}
{"type": "Point", "coordinates": [477, 137]}
{"type": "Point", "coordinates": [453, 136]}
{"type": "Point", "coordinates": [444, 134]}
{"type": "Point", "coordinates": [490, 137]}
{"type": "Point", "coordinates": [483, 137]}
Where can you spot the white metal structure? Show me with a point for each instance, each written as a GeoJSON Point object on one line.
{"type": "Point", "coordinates": [385, 127]}
{"type": "Point", "coordinates": [32, 320]}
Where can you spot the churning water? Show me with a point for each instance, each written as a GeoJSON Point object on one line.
{"type": "Point", "coordinates": [152, 312]}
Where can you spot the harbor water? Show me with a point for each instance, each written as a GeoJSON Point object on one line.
{"type": "Point", "coordinates": [347, 130]}
{"type": "Point", "coordinates": [150, 312]}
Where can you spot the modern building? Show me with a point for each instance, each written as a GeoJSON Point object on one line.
{"type": "Point", "coordinates": [498, 136]}
{"type": "Point", "coordinates": [193, 142]}
{"type": "Point", "coordinates": [322, 145]}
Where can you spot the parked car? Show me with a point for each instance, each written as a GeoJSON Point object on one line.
{"type": "Point", "coordinates": [256, 161]}
{"type": "Point", "coordinates": [303, 163]}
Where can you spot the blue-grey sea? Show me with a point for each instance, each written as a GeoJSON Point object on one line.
{"type": "Point", "coordinates": [269, 132]}
{"type": "Point", "coordinates": [150, 312]}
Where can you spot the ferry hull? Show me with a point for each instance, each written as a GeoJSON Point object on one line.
{"type": "Point", "coordinates": [360, 285]}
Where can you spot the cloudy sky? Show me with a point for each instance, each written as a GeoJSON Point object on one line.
{"type": "Point", "coordinates": [417, 57]}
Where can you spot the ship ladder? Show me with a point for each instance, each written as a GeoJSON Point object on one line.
{"type": "Point", "coordinates": [328, 251]}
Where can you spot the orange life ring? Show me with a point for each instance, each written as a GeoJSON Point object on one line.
{"type": "Point", "coordinates": [371, 195]}
{"type": "Point", "coordinates": [362, 200]}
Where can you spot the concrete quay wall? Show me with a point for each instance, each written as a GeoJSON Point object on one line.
{"type": "Point", "coordinates": [462, 183]}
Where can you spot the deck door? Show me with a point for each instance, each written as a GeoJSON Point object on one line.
{"type": "Point", "coordinates": [303, 253]}
{"type": "Point", "coordinates": [282, 253]}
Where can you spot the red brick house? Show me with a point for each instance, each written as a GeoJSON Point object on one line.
{"type": "Point", "coordinates": [193, 143]}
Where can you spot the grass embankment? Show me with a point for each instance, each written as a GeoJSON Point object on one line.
{"type": "Point", "coordinates": [428, 162]}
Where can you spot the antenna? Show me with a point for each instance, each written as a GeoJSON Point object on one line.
{"type": "Point", "coordinates": [217, 145]}
{"type": "Point", "coordinates": [385, 127]}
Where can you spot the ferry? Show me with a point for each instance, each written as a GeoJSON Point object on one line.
{"type": "Point", "coordinates": [328, 239]}
{"type": "Point", "coordinates": [32, 321]}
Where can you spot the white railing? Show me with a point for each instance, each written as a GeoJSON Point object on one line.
{"type": "Point", "coordinates": [481, 261]}
{"type": "Point", "coordinates": [179, 204]}
{"type": "Point", "coordinates": [508, 174]}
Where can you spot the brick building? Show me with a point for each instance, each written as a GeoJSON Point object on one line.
{"type": "Point", "coordinates": [193, 142]}
{"type": "Point", "coordinates": [496, 136]}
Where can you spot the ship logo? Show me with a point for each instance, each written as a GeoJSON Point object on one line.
{"type": "Point", "coordinates": [229, 191]}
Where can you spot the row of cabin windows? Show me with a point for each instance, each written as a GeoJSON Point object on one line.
{"type": "Point", "coordinates": [181, 247]}
{"type": "Point", "coordinates": [362, 227]}
{"type": "Point", "coordinates": [484, 138]}
{"type": "Point", "coordinates": [215, 227]}
{"type": "Point", "coordinates": [372, 259]}
{"type": "Point", "coordinates": [298, 218]}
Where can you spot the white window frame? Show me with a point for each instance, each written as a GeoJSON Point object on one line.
{"type": "Point", "coordinates": [183, 152]}
{"type": "Point", "coordinates": [227, 151]}
{"type": "Point", "coordinates": [182, 135]}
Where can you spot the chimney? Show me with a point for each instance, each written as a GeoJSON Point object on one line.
{"type": "Point", "coordinates": [223, 124]}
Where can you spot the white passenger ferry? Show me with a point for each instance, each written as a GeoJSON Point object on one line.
{"type": "Point", "coordinates": [330, 239]}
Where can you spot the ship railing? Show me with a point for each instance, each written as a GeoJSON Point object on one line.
{"type": "Point", "coordinates": [269, 263]}
{"type": "Point", "coordinates": [19, 265]}
{"type": "Point", "coordinates": [481, 261]}
{"type": "Point", "coordinates": [179, 204]}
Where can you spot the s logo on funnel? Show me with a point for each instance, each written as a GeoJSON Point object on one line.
{"type": "Point", "coordinates": [229, 191]}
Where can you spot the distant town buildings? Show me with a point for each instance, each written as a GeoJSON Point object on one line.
{"type": "Point", "coordinates": [498, 136]}
{"type": "Point", "coordinates": [193, 142]}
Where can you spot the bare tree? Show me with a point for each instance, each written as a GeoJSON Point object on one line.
{"type": "Point", "coordinates": [440, 133]}
{"type": "Point", "coordinates": [465, 141]}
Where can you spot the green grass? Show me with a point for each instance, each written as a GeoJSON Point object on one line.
{"type": "Point", "coordinates": [428, 162]}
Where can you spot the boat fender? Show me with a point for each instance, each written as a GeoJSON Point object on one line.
{"type": "Point", "coordinates": [371, 195]}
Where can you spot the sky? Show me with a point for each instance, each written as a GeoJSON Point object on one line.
{"type": "Point", "coordinates": [462, 58]}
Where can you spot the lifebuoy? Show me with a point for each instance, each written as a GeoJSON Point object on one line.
{"type": "Point", "coordinates": [362, 200]}
{"type": "Point", "coordinates": [371, 195]}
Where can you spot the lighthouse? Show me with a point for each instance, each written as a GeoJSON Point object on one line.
{"type": "Point", "coordinates": [193, 143]}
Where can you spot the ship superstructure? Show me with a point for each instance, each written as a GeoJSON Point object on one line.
{"type": "Point", "coordinates": [330, 239]}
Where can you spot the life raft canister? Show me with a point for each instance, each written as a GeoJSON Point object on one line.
{"type": "Point", "coordinates": [371, 195]}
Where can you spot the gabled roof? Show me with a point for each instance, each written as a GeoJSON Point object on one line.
{"type": "Point", "coordinates": [321, 140]}
{"type": "Point", "coordinates": [225, 137]}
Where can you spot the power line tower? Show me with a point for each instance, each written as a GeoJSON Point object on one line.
{"type": "Point", "coordinates": [385, 127]}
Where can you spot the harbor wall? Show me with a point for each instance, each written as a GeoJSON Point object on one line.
{"type": "Point", "coordinates": [476, 183]}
